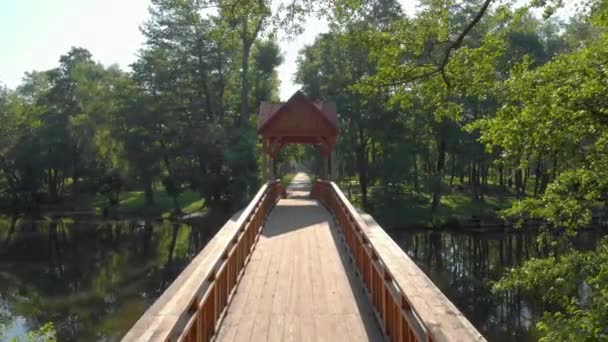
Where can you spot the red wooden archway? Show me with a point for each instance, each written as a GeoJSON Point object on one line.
{"type": "Point", "coordinates": [299, 120]}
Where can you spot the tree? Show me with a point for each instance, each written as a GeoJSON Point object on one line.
{"type": "Point", "coordinates": [559, 109]}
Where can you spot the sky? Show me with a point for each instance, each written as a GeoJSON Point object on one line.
{"type": "Point", "coordinates": [34, 33]}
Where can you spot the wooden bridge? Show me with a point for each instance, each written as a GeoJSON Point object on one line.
{"type": "Point", "coordinates": [303, 265]}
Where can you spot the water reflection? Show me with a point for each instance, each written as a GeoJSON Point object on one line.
{"type": "Point", "coordinates": [93, 279]}
{"type": "Point", "coordinates": [463, 265]}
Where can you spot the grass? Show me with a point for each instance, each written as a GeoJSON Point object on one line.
{"type": "Point", "coordinates": [453, 207]}
{"type": "Point", "coordinates": [414, 209]}
{"type": "Point", "coordinates": [286, 179]}
{"type": "Point", "coordinates": [133, 202]}
{"type": "Point", "coordinates": [466, 207]}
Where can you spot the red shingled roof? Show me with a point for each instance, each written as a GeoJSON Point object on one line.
{"type": "Point", "coordinates": [269, 110]}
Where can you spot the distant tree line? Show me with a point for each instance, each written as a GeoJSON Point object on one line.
{"type": "Point", "coordinates": [413, 121]}
{"type": "Point", "coordinates": [180, 119]}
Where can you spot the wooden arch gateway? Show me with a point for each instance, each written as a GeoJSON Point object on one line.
{"type": "Point", "coordinates": [299, 120]}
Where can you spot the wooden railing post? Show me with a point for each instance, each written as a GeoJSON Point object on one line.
{"type": "Point", "coordinates": [202, 292]}
{"type": "Point", "coordinates": [387, 274]}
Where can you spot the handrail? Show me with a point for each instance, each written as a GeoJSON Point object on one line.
{"type": "Point", "coordinates": [406, 302]}
{"type": "Point", "coordinates": [193, 306]}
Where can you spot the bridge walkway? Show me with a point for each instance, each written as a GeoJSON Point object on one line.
{"type": "Point", "coordinates": [300, 284]}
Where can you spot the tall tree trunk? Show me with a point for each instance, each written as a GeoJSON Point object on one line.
{"type": "Point", "coordinates": [362, 168]}
{"type": "Point", "coordinates": [453, 170]}
{"type": "Point", "coordinates": [462, 171]}
{"type": "Point", "coordinates": [484, 180]}
{"type": "Point", "coordinates": [148, 193]}
{"type": "Point", "coordinates": [518, 182]}
{"type": "Point", "coordinates": [525, 181]}
{"type": "Point", "coordinates": [475, 182]}
{"type": "Point", "coordinates": [176, 227]}
{"type": "Point", "coordinates": [75, 172]}
{"type": "Point", "coordinates": [12, 180]}
{"type": "Point", "coordinates": [221, 83]}
{"type": "Point", "coordinates": [501, 178]}
{"type": "Point", "coordinates": [544, 182]}
{"type": "Point", "coordinates": [537, 176]}
{"type": "Point", "coordinates": [416, 184]}
{"type": "Point", "coordinates": [53, 186]}
{"type": "Point", "coordinates": [555, 166]}
{"type": "Point", "coordinates": [245, 82]}
{"type": "Point", "coordinates": [174, 191]}
{"type": "Point", "coordinates": [247, 39]}
{"type": "Point", "coordinates": [362, 171]}
{"type": "Point", "coordinates": [441, 150]}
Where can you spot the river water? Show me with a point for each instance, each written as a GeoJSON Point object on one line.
{"type": "Point", "coordinates": [93, 278]}
{"type": "Point", "coordinates": [464, 265]}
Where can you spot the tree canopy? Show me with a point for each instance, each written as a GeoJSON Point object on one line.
{"type": "Point", "coordinates": [481, 99]}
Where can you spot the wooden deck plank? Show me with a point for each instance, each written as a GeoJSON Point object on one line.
{"type": "Point", "coordinates": [276, 328]}
{"type": "Point", "coordinates": [319, 293]}
{"type": "Point", "coordinates": [244, 322]}
{"type": "Point", "coordinates": [260, 328]}
{"type": "Point", "coordinates": [299, 285]}
{"type": "Point", "coordinates": [354, 326]}
{"type": "Point", "coordinates": [291, 332]}
{"type": "Point", "coordinates": [283, 279]}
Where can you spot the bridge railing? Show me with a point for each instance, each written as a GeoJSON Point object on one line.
{"type": "Point", "coordinates": [406, 302]}
{"type": "Point", "coordinates": [192, 307]}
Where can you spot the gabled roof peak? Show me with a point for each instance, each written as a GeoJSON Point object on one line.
{"type": "Point", "coordinates": [326, 110]}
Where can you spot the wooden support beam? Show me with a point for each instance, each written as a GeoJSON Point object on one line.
{"type": "Point", "coordinates": [265, 175]}
{"type": "Point", "coordinates": [333, 166]}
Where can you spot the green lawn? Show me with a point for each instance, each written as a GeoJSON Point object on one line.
{"type": "Point", "coordinates": [132, 202]}
{"type": "Point", "coordinates": [414, 209]}
{"type": "Point", "coordinates": [410, 212]}
{"type": "Point", "coordinates": [286, 179]}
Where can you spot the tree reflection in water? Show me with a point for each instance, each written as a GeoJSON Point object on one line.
{"type": "Point", "coordinates": [464, 265]}
{"type": "Point", "coordinates": [91, 278]}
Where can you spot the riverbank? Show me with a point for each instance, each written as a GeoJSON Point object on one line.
{"type": "Point", "coordinates": [286, 179]}
{"type": "Point", "coordinates": [130, 204]}
{"type": "Point", "coordinates": [133, 203]}
{"type": "Point", "coordinates": [409, 209]}
{"type": "Point", "coordinates": [465, 265]}
{"type": "Point", "coordinates": [92, 278]}
{"type": "Point", "coordinates": [455, 210]}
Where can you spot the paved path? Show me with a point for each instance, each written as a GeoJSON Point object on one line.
{"type": "Point", "coordinates": [299, 284]}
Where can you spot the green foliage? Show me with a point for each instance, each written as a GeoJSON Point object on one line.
{"type": "Point", "coordinates": [559, 110]}
{"type": "Point", "coordinates": [573, 290]}
{"type": "Point", "coordinates": [45, 333]}
{"type": "Point", "coordinates": [178, 119]}
{"type": "Point", "coordinates": [459, 109]}
{"type": "Point", "coordinates": [287, 178]}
